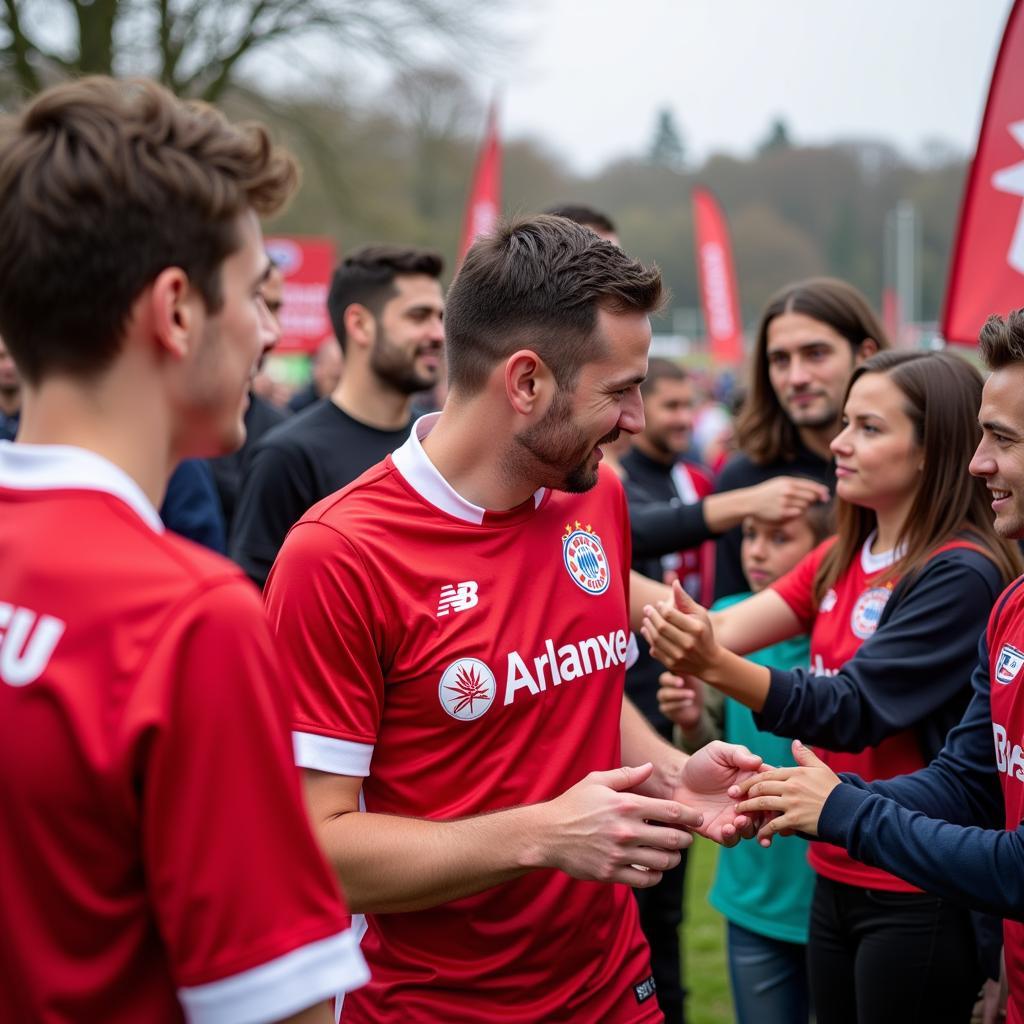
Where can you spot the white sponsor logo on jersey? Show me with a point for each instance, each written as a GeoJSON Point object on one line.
{"type": "Point", "coordinates": [1008, 664]}
{"type": "Point", "coordinates": [585, 559]}
{"type": "Point", "coordinates": [457, 597]}
{"type": "Point", "coordinates": [1009, 759]}
{"type": "Point", "coordinates": [27, 642]}
{"type": "Point", "coordinates": [868, 610]}
{"type": "Point", "coordinates": [828, 602]}
{"type": "Point", "coordinates": [568, 662]}
{"type": "Point", "coordinates": [467, 689]}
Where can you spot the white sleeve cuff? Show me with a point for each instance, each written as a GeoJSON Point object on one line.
{"type": "Point", "coordinates": [327, 754]}
{"type": "Point", "coordinates": [280, 987]}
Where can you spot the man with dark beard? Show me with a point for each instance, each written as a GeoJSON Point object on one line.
{"type": "Point", "coordinates": [385, 305]}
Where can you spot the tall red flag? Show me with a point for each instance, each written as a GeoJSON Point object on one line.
{"type": "Point", "coordinates": [987, 271]}
{"type": "Point", "coordinates": [484, 206]}
{"type": "Point", "coordinates": [718, 294]}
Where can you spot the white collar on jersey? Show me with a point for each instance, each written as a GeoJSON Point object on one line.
{"type": "Point", "coordinates": [45, 467]}
{"type": "Point", "coordinates": [423, 477]}
{"type": "Point", "coordinates": [872, 563]}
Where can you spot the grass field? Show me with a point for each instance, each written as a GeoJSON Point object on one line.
{"type": "Point", "coordinates": [706, 974]}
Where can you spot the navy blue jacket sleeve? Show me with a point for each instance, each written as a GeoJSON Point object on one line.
{"type": "Point", "coordinates": [913, 670]}
{"type": "Point", "coordinates": [191, 507]}
{"type": "Point", "coordinates": [898, 825]}
{"type": "Point", "coordinates": [661, 528]}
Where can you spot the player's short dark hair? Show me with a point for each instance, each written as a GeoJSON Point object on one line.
{"type": "Point", "coordinates": [367, 277]}
{"type": "Point", "coordinates": [538, 284]}
{"type": "Point", "coordinates": [585, 215]}
{"type": "Point", "coordinates": [659, 369]}
{"type": "Point", "coordinates": [1001, 342]}
{"type": "Point", "coordinates": [104, 184]}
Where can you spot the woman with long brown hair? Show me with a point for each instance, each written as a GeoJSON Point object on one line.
{"type": "Point", "coordinates": [894, 605]}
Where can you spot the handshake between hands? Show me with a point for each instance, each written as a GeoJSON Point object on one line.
{"type": "Point", "coordinates": [769, 801]}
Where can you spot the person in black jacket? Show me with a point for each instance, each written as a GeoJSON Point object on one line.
{"type": "Point", "coordinates": [811, 337]}
{"type": "Point", "coordinates": [386, 305]}
{"type": "Point", "coordinates": [895, 605]}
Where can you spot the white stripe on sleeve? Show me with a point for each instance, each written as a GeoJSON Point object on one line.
{"type": "Point", "coordinates": [327, 754]}
{"type": "Point", "coordinates": [280, 987]}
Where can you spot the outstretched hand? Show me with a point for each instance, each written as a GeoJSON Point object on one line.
{"type": "Point", "coordinates": [793, 796]}
{"type": "Point", "coordinates": [680, 634]}
{"type": "Point", "coordinates": [708, 779]}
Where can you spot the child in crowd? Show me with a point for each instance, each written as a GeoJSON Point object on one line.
{"type": "Point", "coordinates": [765, 900]}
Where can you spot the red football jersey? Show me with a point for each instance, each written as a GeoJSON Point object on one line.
{"type": "Point", "coordinates": [463, 661]}
{"type": "Point", "coordinates": [847, 616]}
{"type": "Point", "coordinates": [154, 852]}
{"type": "Point", "coordinates": [1006, 675]}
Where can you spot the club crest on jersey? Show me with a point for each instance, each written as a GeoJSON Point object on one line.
{"type": "Point", "coordinates": [868, 611]}
{"type": "Point", "coordinates": [585, 559]}
{"type": "Point", "coordinates": [1008, 664]}
{"type": "Point", "coordinates": [467, 689]}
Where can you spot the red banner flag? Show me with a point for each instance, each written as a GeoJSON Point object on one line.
{"type": "Point", "coordinates": [718, 294]}
{"type": "Point", "coordinates": [484, 207]}
{"type": "Point", "coordinates": [987, 271]}
{"type": "Point", "coordinates": [306, 266]}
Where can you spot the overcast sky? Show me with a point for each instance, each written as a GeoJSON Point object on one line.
{"type": "Point", "coordinates": [590, 74]}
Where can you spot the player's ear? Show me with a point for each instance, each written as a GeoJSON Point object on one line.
{"type": "Point", "coordinates": [529, 384]}
{"type": "Point", "coordinates": [173, 307]}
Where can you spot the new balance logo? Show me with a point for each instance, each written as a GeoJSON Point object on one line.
{"type": "Point", "coordinates": [457, 597]}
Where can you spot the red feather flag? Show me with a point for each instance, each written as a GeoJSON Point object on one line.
{"type": "Point", "coordinates": [987, 270]}
{"type": "Point", "coordinates": [484, 207]}
{"type": "Point", "coordinates": [718, 293]}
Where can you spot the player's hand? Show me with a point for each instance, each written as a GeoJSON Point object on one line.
{"type": "Point", "coordinates": [794, 796]}
{"type": "Point", "coordinates": [784, 497]}
{"type": "Point", "coordinates": [600, 832]}
{"type": "Point", "coordinates": [681, 699]}
{"type": "Point", "coordinates": [708, 778]}
{"type": "Point", "coordinates": [680, 634]}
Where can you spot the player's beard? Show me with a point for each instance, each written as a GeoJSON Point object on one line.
{"type": "Point", "coordinates": [560, 450]}
{"type": "Point", "coordinates": [396, 366]}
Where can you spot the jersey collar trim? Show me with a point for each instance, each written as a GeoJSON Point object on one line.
{"type": "Point", "coordinates": [876, 562]}
{"type": "Point", "coordinates": [51, 467]}
{"type": "Point", "coordinates": [424, 478]}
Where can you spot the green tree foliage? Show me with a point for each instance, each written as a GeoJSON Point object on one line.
{"type": "Point", "coordinates": [666, 148]}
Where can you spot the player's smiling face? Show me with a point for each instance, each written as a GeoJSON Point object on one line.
{"type": "Point", "coordinates": [604, 403]}
{"type": "Point", "coordinates": [999, 460]}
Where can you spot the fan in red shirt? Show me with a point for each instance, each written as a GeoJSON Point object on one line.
{"type": "Point", "coordinates": [894, 606]}
{"type": "Point", "coordinates": [157, 861]}
{"type": "Point", "coordinates": [455, 624]}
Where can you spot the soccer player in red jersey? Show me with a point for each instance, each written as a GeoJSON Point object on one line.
{"type": "Point", "coordinates": [157, 862]}
{"type": "Point", "coordinates": [455, 624]}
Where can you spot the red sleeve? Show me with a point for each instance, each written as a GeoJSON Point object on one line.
{"type": "Point", "coordinates": [246, 905]}
{"type": "Point", "coordinates": [796, 588]}
{"type": "Point", "coordinates": [329, 625]}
